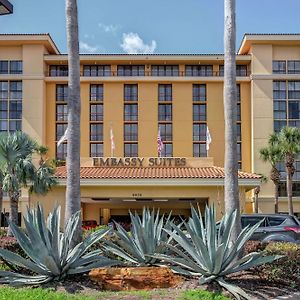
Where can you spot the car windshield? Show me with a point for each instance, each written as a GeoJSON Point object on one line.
{"type": "Point", "coordinates": [282, 221]}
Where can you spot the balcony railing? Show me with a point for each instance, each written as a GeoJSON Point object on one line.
{"type": "Point", "coordinates": [150, 74]}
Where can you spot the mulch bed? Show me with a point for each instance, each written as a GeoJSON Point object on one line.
{"type": "Point", "coordinates": [254, 285]}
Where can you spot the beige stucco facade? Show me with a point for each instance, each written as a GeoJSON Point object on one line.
{"type": "Point", "coordinates": [257, 52]}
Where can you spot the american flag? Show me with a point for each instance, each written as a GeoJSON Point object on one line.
{"type": "Point", "coordinates": [160, 144]}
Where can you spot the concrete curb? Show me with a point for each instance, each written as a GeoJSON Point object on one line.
{"type": "Point", "coordinates": [295, 296]}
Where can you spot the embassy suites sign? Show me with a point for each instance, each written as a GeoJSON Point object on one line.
{"type": "Point", "coordinates": [139, 162]}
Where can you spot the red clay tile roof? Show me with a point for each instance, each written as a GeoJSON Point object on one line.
{"type": "Point", "coordinates": [152, 173]}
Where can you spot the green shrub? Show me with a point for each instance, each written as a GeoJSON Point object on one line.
{"type": "Point", "coordinates": [288, 267]}
{"type": "Point", "coordinates": [202, 295]}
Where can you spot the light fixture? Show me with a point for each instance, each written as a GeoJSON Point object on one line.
{"type": "Point", "coordinates": [129, 200]}
{"type": "Point", "coordinates": [6, 7]}
{"type": "Point", "coordinates": [161, 200]}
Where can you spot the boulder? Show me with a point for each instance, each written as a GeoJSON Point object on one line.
{"type": "Point", "coordinates": [137, 278]}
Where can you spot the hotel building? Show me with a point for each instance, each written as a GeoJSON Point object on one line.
{"type": "Point", "coordinates": [134, 96]}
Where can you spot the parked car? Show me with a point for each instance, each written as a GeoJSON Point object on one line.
{"type": "Point", "coordinates": [275, 227]}
{"type": "Point", "coordinates": [89, 224]}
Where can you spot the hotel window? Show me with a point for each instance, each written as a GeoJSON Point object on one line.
{"type": "Point", "coordinates": [96, 132]}
{"type": "Point", "coordinates": [131, 70]}
{"type": "Point", "coordinates": [61, 151]}
{"type": "Point", "coordinates": [130, 112]}
{"type": "Point", "coordinates": [10, 106]}
{"type": "Point", "coordinates": [130, 92]}
{"type": "Point", "coordinates": [166, 132]}
{"type": "Point", "coordinates": [167, 150]}
{"type": "Point", "coordinates": [96, 71]}
{"type": "Point", "coordinates": [279, 66]}
{"type": "Point", "coordinates": [199, 70]}
{"type": "Point", "coordinates": [96, 150]}
{"type": "Point", "coordinates": [11, 67]}
{"type": "Point", "coordinates": [60, 130]}
{"type": "Point", "coordinates": [60, 70]}
{"type": "Point", "coordinates": [16, 67]}
{"type": "Point", "coordinates": [96, 113]}
{"type": "Point", "coordinates": [131, 150]}
{"type": "Point", "coordinates": [199, 120]}
{"type": "Point", "coordinates": [96, 92]}
{"type": "Point", "coordinates": [62, 112]}
{"type": "Point", "coordinates": [294, 89]}
{"type": "Point", "coordinates": [61, 92]}
{"type": "Point", "coordinates": [165, 70]}
{"type": "Point", "coordinates": [165, 92]}
{"type": "Point", "coordinates": [293, 67]}
{"type": "Point", "coordinates": [239, 155]}
{"type": "Point", "coordinates": [164, 112]}
{"type": "Point", "coordinates": [241, 70]}
{"type": "Point", "coordinates": [239, 124]}
{"type": "Point", "coordinates": [131, 132]}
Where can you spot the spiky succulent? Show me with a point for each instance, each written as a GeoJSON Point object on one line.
{"type": "Point", "coordinates": [147, 237]}
{"type": "Point", "coordinates": [205, 250]}
{"type": "Point", "coordinates": [49, 251]}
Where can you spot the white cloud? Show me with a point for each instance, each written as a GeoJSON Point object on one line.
{"type": "Point", "coordinates": [110, 28]}
{"type": "Point", "coordinates": [85, 47]}
{"type": "Point", "coordinates": [89, 36]}
{"type": "Point", "coordinates": [133, 44]}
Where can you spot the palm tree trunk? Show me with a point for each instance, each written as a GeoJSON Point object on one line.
{"type": "Point", "coordinates": [73, 151]}
{"type": "Point", "coordinates": [14, 209]}
{"type": "Point", "coordinates": [230, 111]}
{"type": "Point", "coordinates": [289, 189]}
{"type": "Point", "coordinates": [276, 202]}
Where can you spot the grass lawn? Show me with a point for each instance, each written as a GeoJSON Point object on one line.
{"type": "Point", "coordinates": [8, 293]}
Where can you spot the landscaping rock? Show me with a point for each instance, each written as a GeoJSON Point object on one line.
{"type": "Point", "coordinates": [138, 278]}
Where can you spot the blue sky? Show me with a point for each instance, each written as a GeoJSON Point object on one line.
{"type": "Point", "coordinates": [159, 26]}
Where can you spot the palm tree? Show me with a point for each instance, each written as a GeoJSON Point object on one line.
{"type": "Point", "coordinates": [230, 114]}
{"type": "Point", "coordinates": [288, 140]}
{"type": "Point", "coordinates": [73, 151]}
{"type": "Point", "coordinates": [272, 154]}
{"type": "Point", "coordinates": [16, 150]}
{"type": "Point", "coordinates": [263, 179]}
{"type": "Point", "coordinates": [17, 168]}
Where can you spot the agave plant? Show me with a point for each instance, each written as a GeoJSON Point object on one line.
{"type": "Point", "coordinates": [206, 251]}
{"type": "Point", "coordinates": [49, 251]}
{"type": "Point", "coordinates": [146, 238]}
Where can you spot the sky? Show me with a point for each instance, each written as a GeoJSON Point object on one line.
{"type": "Point", "coordinates": [152, 26]}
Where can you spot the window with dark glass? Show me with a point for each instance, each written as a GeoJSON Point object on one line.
{"type": "Point", "coordinates": [96, 70]}
{"type": "Point", "coordinates": [4, 90]}
{"type": "Point", "coordinates": [130, 132]}
{"type": "Point", "coordinates": [96, 150]}
{"type": "Point", "coordinates": [199, 112]}
{"type": "Point", "coordinates": [199, 70]}
{"type": "Point", "coordinates": [131, 70]}
{"type": "Point", "coordinates": [279, 66]}
{"type": "Point", "coordinates": [60, 130]}
{"type": "Point", "coordinates": [131, 150]}
{"type": "Point", "coordinates": [165, 92]}
{"type": "Point", "coordinates": [96, 92]}
{"type": "Point", "coordinates": [166, 132]}
{"type": "Point", "coordinates": [61, 151]}
{"type": "Point", "coordinates": [15, 109]}
{"type": "Point", "coordinates": [130, 112]}
{"type": "Point", "coordinates": [239, 151]}
{"type": "Point", "coordinates": [60, 70]}
{"type": "Point", "coordinates": [241, 70]}
{"type": "Point", "coordinates": [164, 112]}
{"type": "Point", "coordinates": [279, 90]}
{"type": "Point", "coordinates": [199, 150]}
{"type": "Point", "coordinates": [199, 132]}
{"type": "Point", "coordinates": [294, 109]}
{"type": "Point", "coordinates": [3, 66]}
{"type": "Point", "coordinates": [15, 90]}
{"type": "Point", "coordinates": [293, 66]}
{"type": "Point", "coordinates": [96, 132]}
{"type": "Point", "coordinates": [130, 92]}
{"type": "Point", "coordinates": [294, 89]}
{"type": "Point", "coordinates": [167, 150]}
{"type": "Point", "coordinates": [165, 70]}
{"type": "Point", "coordinates": [199, 92]}
{"type": "Point", "coordinates": [16, 67]}
{"type": "Point", "coordinates": [61, 112]}
{"type": "Point", "coordinates": [61, 92]}
{"type": "Point", "coordinates": [96, 113]}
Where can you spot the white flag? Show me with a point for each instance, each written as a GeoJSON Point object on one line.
{"type": "Point", "coordinates": [63, 138]}
{"type": "Point", "coordinates": [208, 138]}
{"type": "Point", "coordinates": [112, 141]}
